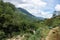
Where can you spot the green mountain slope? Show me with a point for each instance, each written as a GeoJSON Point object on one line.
{"type": "Point", "coordinates": [14, 22]}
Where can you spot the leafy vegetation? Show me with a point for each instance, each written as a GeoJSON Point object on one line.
{"type": "Point", "coordinates": [14, 22]}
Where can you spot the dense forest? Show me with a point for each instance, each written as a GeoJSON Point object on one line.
{"type": "Point", "coordinates": [14, 22]}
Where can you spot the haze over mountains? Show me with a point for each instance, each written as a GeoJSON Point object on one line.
{"type": "Point", "coordinates": [25, 12]}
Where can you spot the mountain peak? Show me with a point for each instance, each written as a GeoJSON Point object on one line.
{"type": "Point", "coordinates": [29, 14]}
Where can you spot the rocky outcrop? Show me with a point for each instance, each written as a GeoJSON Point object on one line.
{"type": "Point", "coordinates": [16, 38]}
{"type": "Point", "coordinates": [54, 34]}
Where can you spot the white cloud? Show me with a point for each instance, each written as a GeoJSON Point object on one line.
{"type": "Point", "coordinates": [46, 14]}
{"type": "Point", "coordinates": [40, 13]}
{"type": "Point", "coordinates": [27, 3]}
{"type": "Point", "coordinates": [43, 14]}
{"type": "Point", "coordinates": [57, 7]}
{"type": "Point", "coordinates": [33, 6]}
{"type": "Point", "coordinates": [38, 3]}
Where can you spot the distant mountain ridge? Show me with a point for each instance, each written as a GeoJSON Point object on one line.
{"type": "Point", "coordinates": [57, 12]}
{"type": "Point", "coordinates": [25, 11]}
{"type": "Point", "coordinates": [29, 14]}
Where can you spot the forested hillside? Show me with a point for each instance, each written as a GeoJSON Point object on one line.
{"type": "Point", "coordinates": [14, 22]}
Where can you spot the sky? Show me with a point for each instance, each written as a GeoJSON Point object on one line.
{"type": "Point", "coordinates": [39, 8]}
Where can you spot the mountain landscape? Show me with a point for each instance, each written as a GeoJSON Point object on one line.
{"type": "Point", "coordinates": [25, 12]}
{"type": "Point", "coordinates": [19, 24]}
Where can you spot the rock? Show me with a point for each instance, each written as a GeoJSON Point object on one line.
{"type": "Point", "coordinates": [18, 37]}
{"type": "Point", "coordinates": [54, 34]}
